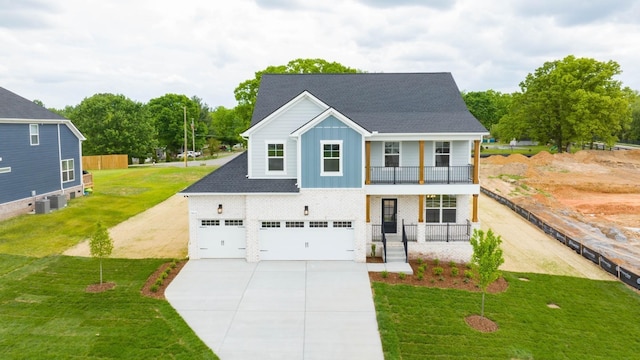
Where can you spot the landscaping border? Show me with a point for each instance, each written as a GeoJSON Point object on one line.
{"type": "Point", "coordinates": [607, 265]}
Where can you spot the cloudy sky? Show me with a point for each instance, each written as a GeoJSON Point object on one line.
{"type": "Point", "coordinates": [61, 52]}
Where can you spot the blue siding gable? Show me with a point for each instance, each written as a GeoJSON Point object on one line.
{"type": "Point", "coordinates": [351, 152]}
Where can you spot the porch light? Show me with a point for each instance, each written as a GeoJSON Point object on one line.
{"type": "Point", "coordinates": [306, 210]}
{"type": "Point", "coordinates": [219, 208]}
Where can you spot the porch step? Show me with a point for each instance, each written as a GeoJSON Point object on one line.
{"type": "Point", "coordinates": [395, 253]}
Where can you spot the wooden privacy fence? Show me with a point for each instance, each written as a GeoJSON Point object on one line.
{"type": "Point", "coordinates": [104, 162]}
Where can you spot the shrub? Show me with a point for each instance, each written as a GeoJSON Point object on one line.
{"type": "Point", "coordinates": [402, 276]}
{"type": "Point", "coordinates": [468, 266]}
{"type": "Point", "coordinates": [420, 261]}
{"type": "Point", "coordinates": [438, 271]}
{"type": "Point", "coordinates": [441, 278]}
{"type": "Point", "coordinates": [154, 288]}
{"type": "Point", "coordinates": [436, 261]}
{"type": "Point", "coordinates": [158, 281]}
{"type": "Point", "coordinates": [164, 275]}
{"type": "Point", "coordinates": [452, 263]}
{"type": "Point", "coordinates": [468, 274]}
{"type": "Point", "coordinates": [384, 274]}
{"type": "Point", "coordinates": [422, 268]}
{"type": "Point", "coordinates": [420, 276]}
{"type": "Point", "coordinates": [466, 280]}
{"type": "Point", "coordinates": [454, 271]}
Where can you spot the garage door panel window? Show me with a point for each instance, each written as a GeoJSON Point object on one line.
{"type": "Point", "coordinates": [342, 224]}
{"type": "Point", "coordinates": [294, 224]}
{"type": "Point", "coordinates": [275, 157]}
{"type": "Point", "coordinates": [440, 209]}
{"type": "Point", "coordinates": [233, 223]}
{"type": "Point", "coordinates": [207, 222]}
{"type": "Point", "coordinates": [318, 224]}
{"type": "Point", "coordinates": [270, 224]}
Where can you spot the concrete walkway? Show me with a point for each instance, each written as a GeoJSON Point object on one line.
{"type": "Point", "coordinates": [279, 309]}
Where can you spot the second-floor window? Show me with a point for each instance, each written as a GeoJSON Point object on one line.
{"type": "Point", "coordinates": [68, 173]}
{"type": "Point", "coordinates": [275, 157]}
{"type": "Point", "coordinates": [391, 154]}
{"type": "Point", "coordinates": [443, 151]}
{"type": "Point", "coordinates": [440, 209]}
{"type": "Point", "coordinates": [331, 162]}
{"type": "Point", "coordinates": [34, 134]}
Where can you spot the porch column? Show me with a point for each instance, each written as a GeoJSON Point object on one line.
{"type": "Point", "coordinates": [367, 166]}
{"type": "Point", "coordinates": [476, 161]}
{"type": "Point", "coordinates": [475, 208]}
{"type": "Point", "coordinates": [420, 208]}
{"type": "Point", "coordinates": [421, 155]}
{"type": "Point", "coordinates": [368, 209]}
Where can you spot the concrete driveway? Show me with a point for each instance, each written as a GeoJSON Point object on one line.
{"type": "Point", "coordinates": [279, 309]}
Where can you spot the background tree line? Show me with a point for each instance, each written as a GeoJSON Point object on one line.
{"type": "Point", "coordinates": [573, 100]}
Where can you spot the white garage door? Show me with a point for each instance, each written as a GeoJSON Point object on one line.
{"type": "Point", "coordinates": [306, 240]}
{"type": "Point", "coordinates": [221, 239]}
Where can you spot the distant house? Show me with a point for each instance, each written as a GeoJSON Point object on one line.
{"type": "Point", "coordinates": [40, 155]}
{"type": "Point", "coordinates": [339, 162]}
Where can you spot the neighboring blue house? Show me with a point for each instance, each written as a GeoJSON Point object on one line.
{"type": "Point", "coordinates": [40, 155]}
{"type": "Point", "coordinates": [338, 162]}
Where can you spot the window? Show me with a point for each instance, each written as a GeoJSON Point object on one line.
{"type": "Point", "coordinates": [331, 158]}
{"type": "Point", "coordinates": [68, 173]}
{"type": "Point", "coordinates": [318, 224]}
{"type": "Point", "coordinates": [342, 224]}
{"type": "Point", "coordinates": [34, 134]}
{"type": "Point", "coordinates": [391, 154]}
{"type": "Point", "coordinates": [294, 224]}
{"type": "Point", "coordinates": [270, 224]}
{"type": "Point", "coordinates": [233, 223]}
{"type": "Point", "coordinates": [443, 150]}
{"type": "Point", "coordinates": [275, 157]}
{"type": "Point", "coordinates": [209, 222]}
{"type": "Point", "coordinates": [440, 209]}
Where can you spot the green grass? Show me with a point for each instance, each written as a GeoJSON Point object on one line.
{"type": "Point", "coordinates": [46, 313]}
{"type": "Point", "coordinates": [596, 320]}
{"type": "Point", "coordinates": [495, 149]}
{"type": "Point", "coordinates": [118, 195]}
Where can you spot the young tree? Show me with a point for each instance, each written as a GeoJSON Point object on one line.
{"type": "Point", "coordinates": [101, 245]}
{"type": "Point", "coordinates": [486, 259]}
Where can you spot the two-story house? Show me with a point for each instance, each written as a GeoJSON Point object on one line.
{"type": "Point", "coordinates": [40, 155]}
{"type": "Point", "coordinates": [337, 162]}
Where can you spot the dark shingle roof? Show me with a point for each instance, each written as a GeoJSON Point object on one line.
{"type": "Point", "coordinates": [387, 103]}
{"type": "Point", "coordinates": [13, 106]}
{"type": "Point", "coordinates": [231, 178]}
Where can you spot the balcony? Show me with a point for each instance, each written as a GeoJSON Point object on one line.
{"type": "Point", "coordinates": [381, 175]}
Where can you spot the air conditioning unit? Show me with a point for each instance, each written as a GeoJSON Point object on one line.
{"type": "Point", "coordinates": [58, 201]}
{"type": "Point", "coordinates": [43, 206]}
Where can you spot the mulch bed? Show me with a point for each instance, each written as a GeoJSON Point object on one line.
{"type": "Point", "coordinates": [97, 288]}
{"type": "Point", "coordinates": [444, 281]}
{"type": "Point", "coordinates": [159, 294]}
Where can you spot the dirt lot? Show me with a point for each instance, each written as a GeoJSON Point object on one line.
{"type": "Point", "coordinates": [593, 195]}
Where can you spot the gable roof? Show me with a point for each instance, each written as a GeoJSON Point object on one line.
{"type": "Point", "coordinates": [323, 116]}
{"type": "Point", "coordinates": [16, 109]}
{"type": "Point", "coordinates": [13, 106]}
{"type": "Point", "coordinates": [382, 102]}
{"type": "Point", "coordinates": [231, 178]}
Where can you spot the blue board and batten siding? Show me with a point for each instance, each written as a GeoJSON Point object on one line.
{"type": "Point", "coordinates": [36, 167]}
{"type": "Point", "coordinates": [351, 152]}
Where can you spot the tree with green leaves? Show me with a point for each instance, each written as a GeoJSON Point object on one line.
{"type": "Point", "coordinates": [168, 114]}
{"type": "Point", "coordinates": [486, 259]}
{"type": "Point", "coordinates": [247, 91]}
{"type": "Point", "coordinates": [226, 125]}
{"type": "Point", "coordinates": [487, 106]}
{"type": "Point", "coordinates": [101, 245]}
{"type": "Point", "coordinates": [114, 124]}
{"type": "Point", "coordinates": [573, 100]}
{"type": "Point", "coordinates": [633, 132]}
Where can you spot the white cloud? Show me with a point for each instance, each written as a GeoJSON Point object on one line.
{"type": "Point", "coordinates": [62, 52]}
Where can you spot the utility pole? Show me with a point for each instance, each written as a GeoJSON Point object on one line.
{"type": "Point", "coordinates": [184, 151]}
{"type": "Point", "coordinates": [193, 139]}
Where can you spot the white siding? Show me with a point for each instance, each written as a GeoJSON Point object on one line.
{"type": "Point", "coordinates": [279, 129]}
{"type": "Point", "coordinates": [377, 151]}
{"type": "Point", "coordinates": [460, 153]}
{"type": "Point", "coordinates": [409, 153]}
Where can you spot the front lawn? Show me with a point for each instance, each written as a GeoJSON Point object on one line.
{"type": "Point", "coordinates": [118, 195]}
{"type": "Point", "coordinates": [46, 313]}
{"type": "Point", "coordinates": [596, 320]}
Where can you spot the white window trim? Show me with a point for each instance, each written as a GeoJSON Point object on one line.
{"type": "Point", "coordinates": [36, 133]}
{"type": "Point", "coordinates": [331, 142]}
{"type": "Point", "coordinates": [384, 155]}
{"type": "Point", "coordinates": [284, 157]}
{"type": "Point", "coordinates": [435, 154]}
{"type": "Point", "coordinates": [72, 170]}
{"type": "Point", "coordinates": [5, 170]}
{"type": "Point", "coordinates": [441, 209]}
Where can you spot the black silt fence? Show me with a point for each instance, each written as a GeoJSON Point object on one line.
{"type": "Point", "coordinates": [609, 266]}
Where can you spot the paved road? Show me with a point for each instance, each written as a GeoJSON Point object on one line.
{"type": "Point", "coordinates": [220, 160]}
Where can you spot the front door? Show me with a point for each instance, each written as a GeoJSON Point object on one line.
{"type": "Point", "coordinates": [389, 215]}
